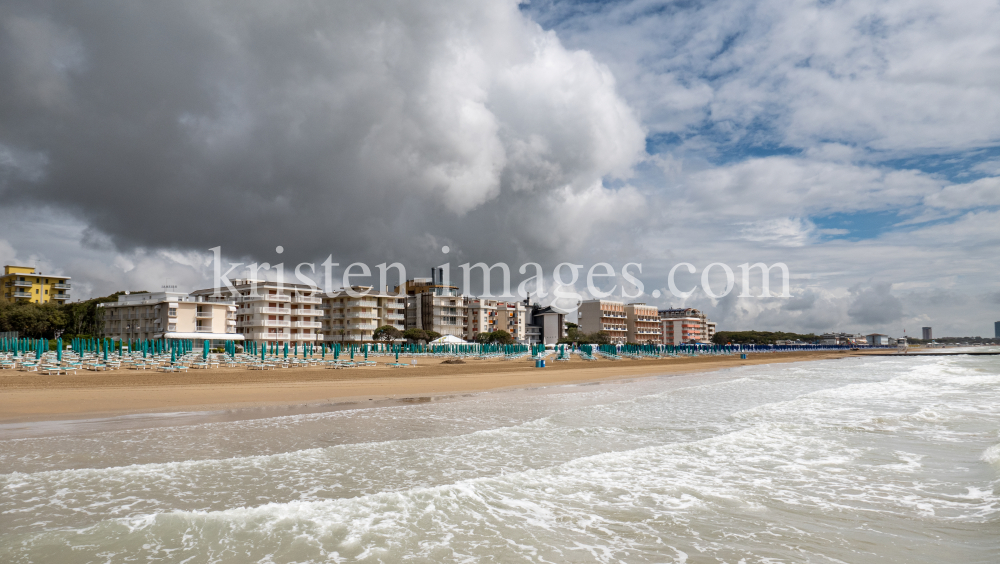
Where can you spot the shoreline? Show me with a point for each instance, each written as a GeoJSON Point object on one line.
{"type": "Point", "coordinates": [233, 393]}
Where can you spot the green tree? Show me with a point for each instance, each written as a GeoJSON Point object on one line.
{"type": "Point", "coordinates": [482, 338]}
{"type": "Point", "coordinates": [431, 335]}
{"type": "Point", "coordinates": [760, 337]}
{"type": "Point", "coordinates": [386, 333]}
{"type": "Point", "coordinates": [501, 337]}
{"type": "Point", "coordinates": [414, 334]}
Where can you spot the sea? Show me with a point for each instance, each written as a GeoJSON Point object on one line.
{"type": "Point", "coordinates": [855, 460]}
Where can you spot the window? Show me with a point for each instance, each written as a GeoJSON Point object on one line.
{"type": "Point", "coordinates": [172, 312]}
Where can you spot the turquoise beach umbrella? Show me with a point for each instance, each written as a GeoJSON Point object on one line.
{"type": "Point", "coordinates": [59, 349]}
{"type": "Point", "coordinates": [286, 350]}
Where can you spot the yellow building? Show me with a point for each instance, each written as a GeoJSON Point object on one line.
{"type": "Point", "coordinates": [23, 284]}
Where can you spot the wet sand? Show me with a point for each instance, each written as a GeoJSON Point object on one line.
{"type": "Point", "coordinates": [27, 396]}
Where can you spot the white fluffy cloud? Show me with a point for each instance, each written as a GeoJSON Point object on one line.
{"type": "Point", "coordinates": [888, 76]}
{"type": "Point", "coordinates": [362, 123]}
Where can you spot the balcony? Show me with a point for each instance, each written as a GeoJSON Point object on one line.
{"type": "Point", "coordinates": [22, 284]}
{"type": "Point", "coordinates": [273, 310]}
{"type": "Point", "coordinates": [276, 323]}
{"type": "Point", "coordinates": [309, 337]}
{"type": "Point", "coordinates": [60, 297]}
{"type": "Point", "coordinates": [203, 315]}
{"type": "Point", "coordinates": [306, 312]}
{"type": "Point", "coordinates": [265, 336]}
{"type": "Point", "coordinates": [307, 324]}
{"type": "Point", "coordinates": [395, 316]}
{"type": "Point", "coordinates": [22, 294]}
{"type": "Point", "coordinates": [308, 300]}
{"type": "Point", "coordinates": [203, 329]}
{"type": "Point", "coordinates": [361, 315]}
{"type": "Point", "coordinates": [363, 326]}
{"type": "Point", "coordinates": [362, 303]}
{"type": "Point", "coordinates": [62, 286]}
{"type": "Point", "coordinates": [265, 298]}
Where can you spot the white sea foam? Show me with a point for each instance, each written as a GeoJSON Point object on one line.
{"type": "Point", "coordinates": [791, 463]}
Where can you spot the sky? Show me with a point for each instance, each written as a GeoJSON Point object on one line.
{"type": "Point", "coordinates": [856, 142]}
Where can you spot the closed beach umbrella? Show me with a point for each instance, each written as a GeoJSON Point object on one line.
{"type": "Point", "coordinates": [204, 350]}
{"type": "Point", "coordinates": [286, 350]}
{"type": "Point", "coordinates": [105, 352]}
{"type": "Point", "coordinates": [59, 348]}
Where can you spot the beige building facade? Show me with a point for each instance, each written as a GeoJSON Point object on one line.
{"type": "Point", "coordinates": [168, 315]}
{"type": "Point", "coordinates": [348, 319]}
{"type": "Point", "coordinates": [643, 323]}
{"type": "Point", "coordinates": [604, 315]}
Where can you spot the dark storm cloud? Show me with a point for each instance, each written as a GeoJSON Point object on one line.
{"type": "Point", "coordinates": [377, 128]}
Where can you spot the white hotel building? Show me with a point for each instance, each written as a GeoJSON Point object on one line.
{"type": "Point", "coordinates": [294, 314]}
{"type": "Point", "coordinates": [286, 313]}
{"type": "Point", "coordinates": [354, 319]}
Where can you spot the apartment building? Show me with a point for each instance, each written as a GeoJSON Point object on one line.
{"type": "Point", "coordinates": [23, 284]}
{"type": "Point", "coordinates": [272, 312]}
{"type": "Point", "coordinates": [643, 324]}
{"type": "Point", "coordinates": [349, 319]}
{"type": "Point", "coordinates": [432, 305]}
{"type": "Point", "coordinates": [685, 325]}
{"type": "Point", "coordinates": [486, 316]}
{"type": "Point", "coordinates": [512, 317]}
{"type": "Point", "coordinates": [480, 317]}
{"type": "Point", "coordinates": [169, 315]}
{"type": "Point", "coordinates": [604, 315]}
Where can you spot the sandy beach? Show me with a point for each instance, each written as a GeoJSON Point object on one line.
{"type": "Point", "coordinates": [27, 396]}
